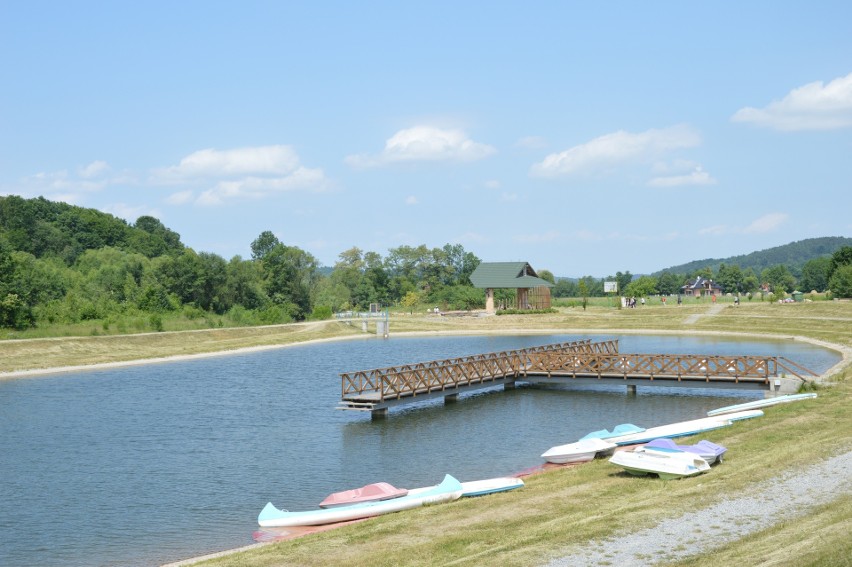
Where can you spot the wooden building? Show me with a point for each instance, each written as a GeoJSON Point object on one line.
{"type": "Point", "coordinates": [532, 292]}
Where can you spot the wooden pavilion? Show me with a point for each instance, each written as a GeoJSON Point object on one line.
{"type": "Point", "coordinates": [532, 291]}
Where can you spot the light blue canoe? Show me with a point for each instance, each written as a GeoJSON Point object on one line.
{"type": "Point", "coordinates": [761, 403]}
{"type": "Point", "coordinates": [272, 517]}
{"type": "Point", "coordinates": [617, 431]}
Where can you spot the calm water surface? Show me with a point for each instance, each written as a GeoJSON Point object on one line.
{"type": "Point", "coordinates": [150, 464]}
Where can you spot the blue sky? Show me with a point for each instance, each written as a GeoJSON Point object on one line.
{"type": "Point", "coordinates": [585, 138]}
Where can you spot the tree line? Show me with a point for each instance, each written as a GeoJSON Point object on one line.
{"type": "Point", "coordinates": [822, 274]}
{"type": "Point", "coordinates": [65, 264]}
{"type": "Point", "coordinates": [62, 264]}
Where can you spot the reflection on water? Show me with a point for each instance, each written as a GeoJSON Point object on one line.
{"type": "Point", "coordinates": [143, 465]}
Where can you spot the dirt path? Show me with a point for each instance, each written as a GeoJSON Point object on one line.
{"type": "Point", "coordinates": [714, 309]}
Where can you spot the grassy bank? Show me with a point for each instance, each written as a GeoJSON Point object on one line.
{"type": "Point", "coordinates": [828, 321]}
{"type": "Point", "coordinates": [566, 507]}
{"type": "Point", "coordinates": [571, 506]}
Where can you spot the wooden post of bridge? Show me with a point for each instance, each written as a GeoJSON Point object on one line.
{"type": "Point", "coordinates": [451, 399]}
{"type": "Point", "coordinates": [631, 389]}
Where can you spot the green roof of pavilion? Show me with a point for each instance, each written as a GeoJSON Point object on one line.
{"type": "Point", "coordinates": [506, 275]}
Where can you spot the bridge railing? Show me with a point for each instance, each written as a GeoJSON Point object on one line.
{"type": "Point", "coordinates": [666, 366]}
{"type": "Point", "coordinates": [380, 384]}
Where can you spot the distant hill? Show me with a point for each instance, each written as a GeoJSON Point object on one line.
{"type": "Point", "coordinates": [793, 255]}
{"type": "Point", "coordinates": [47, 228]}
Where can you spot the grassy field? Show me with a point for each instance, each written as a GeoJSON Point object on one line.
{"type": "Point", "coordinates": [568, 506]}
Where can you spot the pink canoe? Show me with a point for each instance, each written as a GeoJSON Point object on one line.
{"type": "Point", "coordinates": [370, 493]}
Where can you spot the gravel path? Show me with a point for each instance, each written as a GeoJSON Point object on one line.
{"type": "Point", "coordinates": [697, 532]}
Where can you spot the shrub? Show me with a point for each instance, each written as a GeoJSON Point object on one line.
{"type": "Point", "coordinates": [321, 312]}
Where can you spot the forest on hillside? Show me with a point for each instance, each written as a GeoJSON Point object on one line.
{"type": "Point", "coordinates": [62, 265]}
{"type": "Point", "coordinates": [793, 255]}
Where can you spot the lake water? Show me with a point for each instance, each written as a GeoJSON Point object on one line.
{"type": "Point", "coordinates": [150, 464]}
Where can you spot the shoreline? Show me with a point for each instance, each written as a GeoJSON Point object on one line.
{"type": "Point", "coordinates": [845, 352]}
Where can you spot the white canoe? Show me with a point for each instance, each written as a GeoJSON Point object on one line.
{"type": "Point", "coordinates": [685, 428]}
{"type": "Point", "coordinates": [272, 517]}
{"type": "Point", "coordinates": [578, 452]}
{"type": "Point", "coordinates": [666, 465]}
{"type": "Point", "coordinates": [490, 486]}
{"type": "Point", "coordinates": [761, 403]}
{"type": "Point", "coordinates": [672, 430]}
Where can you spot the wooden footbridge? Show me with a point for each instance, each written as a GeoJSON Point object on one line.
{"type": "Point", "coordinates": [580, 362]}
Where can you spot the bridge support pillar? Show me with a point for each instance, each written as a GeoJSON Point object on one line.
{"type": "Point", "coordinates": [382, 329]}
{"type": "Point", "coordinates": [782, 386]}
{"type": "Point", "coordinates": [379, 413]}
{"type": "Point", "coordinates": [451, 399]}
{"type": "Point", "coordinates": [509, 385]}
{"type": "Point", "coordinates": [631, 389]}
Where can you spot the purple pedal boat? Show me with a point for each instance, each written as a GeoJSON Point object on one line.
{"type": "Point", "coordinates": [710, 452]}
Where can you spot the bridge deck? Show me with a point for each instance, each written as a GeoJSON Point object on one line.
{"type": "Point", "coordinates": [575, 362]}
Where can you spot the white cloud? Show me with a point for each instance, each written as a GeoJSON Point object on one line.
{"type": "Point", "coordinates": [616, 149]}
{"type": "Point", "coordinates": [814, 106]}
{"type": "Point", "coordinates": [506, 197]}
{"type": "Point", "coordinates": [493, 184]}
{"type": "Point", "coordinates": [93, 169]}
{"type": "Point", "coordinates": [716, 229]}
{"type": "Point", "coordinates": [252, 172]}
{"type": "Point", "coordinates": [697, 177]}
{"type": "Point", "coordinates": [424, 143]}
{"type": "Point", "coordinates": [260, 160]}
{"type": "Point", "coordinates": [259, 187]}
{"type": "Point", "coordinates": [548, 236]}
{"type": "Point", "coordinates": [766, 223]}
{"type": "Point", "coordinates": [70, 186]}
{"type": "Point", "coordinates": [411, 200]}
{"type": "Point", "coordinates": [179, 198]}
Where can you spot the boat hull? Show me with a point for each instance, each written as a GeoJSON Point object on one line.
{"type": "Point", "coordinates": [666, 466]}
{"type": "Point", "coordinates": [490, 486]}
{"type": "Point", "coordinates": [580, 452]}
